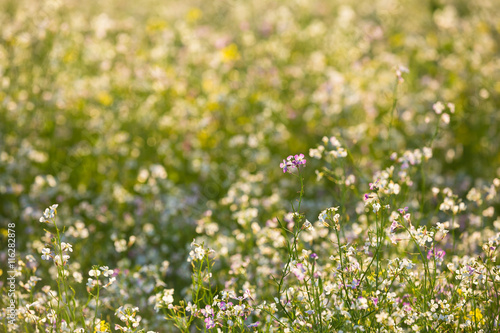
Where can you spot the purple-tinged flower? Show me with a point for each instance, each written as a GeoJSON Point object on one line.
{"type": "Point", "coordinates": [247, 294]}
{"type": "Point", "coordinates": [299, 159]}
{"type": "Point", "coordinates": [440, 254]}
{"type": "Point", "coordinates": [207, 311]}
{"type": "Point", "coordinates": [403, 211]}
{"type": "Point", "coordinates": [394, 225]}
{"type": "Point", "coordinates": [210, 323]}
{"type": "Point", "coordinates": [374, 186]}
{"type": "Point", "coordinates": [299, 271]}
{"type": "Point", "coordinates": [314, 256]}
{"type": "Point", "coordinates": [429, 254]}
{"type": "Point", "coordinates": [293, 162]}
{"type": "Point", "coordinates": [407, 307]}
{"type": "Point", "coordinates": [254, 324]}
{"type": "Point", "coordinates": [284, 166]}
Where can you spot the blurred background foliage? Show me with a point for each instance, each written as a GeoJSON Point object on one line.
{"type": "Point", "coordinates": [139, 116]}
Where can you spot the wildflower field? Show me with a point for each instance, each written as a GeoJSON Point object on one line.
{"type": "Point", "coordinates": [249, 166]}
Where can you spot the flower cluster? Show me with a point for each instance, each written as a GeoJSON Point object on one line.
{"type": "Point", "coordinates": [164, 299]}
{"type": "Point", "coordinates": [96, 272]}
{"type": "Point", "coordinates": [128, 315]}
{"type": "Point", "coordinates": [198, 252]}
{"type": "Point", "coordinates": [49, 214]}
{"type": "Point", "coordinates": [330, 147]}
{"type": "Point", "coordinates": [226, 310]}
{"type": "Point", "coordinates": [136, 184]}
{"type": "Point", "coordinates": [293, 162]}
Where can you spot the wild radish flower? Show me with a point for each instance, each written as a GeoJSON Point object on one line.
{"type": "Point", "coordinates": [354, 284]}
{"type": "Point", "coordinates": [120, 245]}
{"type": "Point", "coordinates": [422, 235]}
{"type": "Point", "coordinates": [193, 308]}
{"type": "Point", "coordinates": [332, 142]}
{"type": "Point", "coordinates": [247, 294]}
{"type": "Point", "coordinates": [437, 254]}
{"type": "Point", "coordinates": [395, 225]}
{"type": "Point", "coordinates": [407, 218]}
{"type": "Point", "coordinates": [293, 162]}
{"type": "Point", "coordinates": [350, 180]}
{"type": "Point", "coordinates": [91, 283]}
{"type": "Point", "coordinates": [327, 214]}
{"type": "Point", "coordinates": [52, 317]}
{"type": "Point", "coordinates": [322, 218]}
{"type": "Point", "coordinates": [362, 303]}
{"type": "Point", "coordinates": [78, 277]}
{"type": "Point", "coordinates": [427, 153]}
{"type": "Point", "coordinates": [128, 316]}
{"type": "Point", "coordinates": [110, 282]}
{"type": "Point", "coordinates": [207, 311]}
{"type": "Point", "coordinates": [435, 191]}
{"type": "Point", "coordinates": [438, 107]}
{"type": "Point", "coordinates": [210, 323]}
{"type": "Point", "coordinates": [299, 271]}
{"type": "Point", "coordinates": [441, 228]}
{"type": "Point", "coordinates": [451, 107]}
{"type": "Point", "coordinates": [66, 247]}
{"type": "Point", "coordinates": [94, 272]}
{"type": "Point", "coordinates": [399, 72]}
{"type": "Point", "coordinates": [61, 262]}
{"type": "Point", "coordinates": [382, 317]}
{"type": "Point", "coordinates": [106, 271]}
{"type": "Point", "coordinates": [308, 226]}
{"type": "Point", "coordinates": [49, 214]}
{"type": "Point", "coordinates": [406, 263]}
{"type": "Point", "coordinates": [284, 165]}
{"type": "Point", "coordinates": [376, 207]}
{"type": "Point", "coordinates": [394, 240]}
{"type": "Point", "coordinates": [403, 211]}
{"type": "Point", "coordinates": [316, 153]}
{"type": "Point", "coordinates": [374, 186]}
{"type": "Point", "coordinates": [369, 198]}
{"type": "Point", "coordinates": [328, 288]}
{"type": "Point", "coordinates": [46, 254]}
{"type": "Point", "coordinates": [198, 252]}
{"type": "Point", "coordinates": [164, 299]}
{"type": "Point", "coordinates": [445, 118]}
{"type": "Point", "coordinates": [254, 324]}
{"type": "Point", "coordinates": [433, 305]}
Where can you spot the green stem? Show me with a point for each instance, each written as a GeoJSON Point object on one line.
{"type": "Point", "coordinates": [341, 270]}
{"type": "Point", "coordinates": [96, 306]}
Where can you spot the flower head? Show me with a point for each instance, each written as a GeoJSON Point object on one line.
{"type": "Point", "coordinates": [293, 162]}
{"type": "Point", "coordinates": [209, 323]}
{"type": "Point", "coordinates": [66, 247]}
{"type": "Point", "coordinates": [94, 272]}
{"type": "Point", "coordinates": [49, 214]}
{"type": "Point", "coordinates": [45, 254]}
